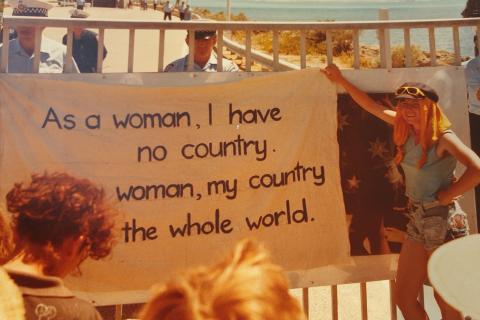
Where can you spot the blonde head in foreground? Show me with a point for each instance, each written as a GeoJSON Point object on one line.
{"type": "Point", "coordinates": [246, 286]}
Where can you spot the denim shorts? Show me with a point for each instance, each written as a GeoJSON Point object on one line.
{"type": "Point", "coordinates": [433, 225]}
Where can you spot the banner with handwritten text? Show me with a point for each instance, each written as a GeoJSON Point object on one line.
{"type": "Point", "coordinates": [191, 169]}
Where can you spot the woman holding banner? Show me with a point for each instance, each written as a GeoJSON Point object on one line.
{"type": "Point", "coordinates": [428, 152]}
{"type": "Point", "coordinates": [58, 221]}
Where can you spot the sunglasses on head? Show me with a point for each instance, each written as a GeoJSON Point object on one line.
{"type": "Point", "coordinates": [413, 91]}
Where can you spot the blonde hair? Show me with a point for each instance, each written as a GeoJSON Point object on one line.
{"type": "Point", "coordinates": [432, 125]}
{"type": "Point", "coordinates": [11, 301]}
{"type": "Point", "coordinates": [6, 239]}
{"type": "Point", "coordinates": [246, 286]}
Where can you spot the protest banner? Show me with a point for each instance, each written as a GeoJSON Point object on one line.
{"type": "Point", "coordinates": [191, 169]}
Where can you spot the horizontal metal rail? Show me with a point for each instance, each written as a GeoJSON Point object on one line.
{"type": "Point", "coordinates": [259, 57]}
{"type": "Point", "coordinates": [246, 50]}
{"type": "Point", "coordinates": [12, 21]}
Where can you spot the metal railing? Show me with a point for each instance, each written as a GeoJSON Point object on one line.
{"type": "Point", "coordinates": [382, 27]}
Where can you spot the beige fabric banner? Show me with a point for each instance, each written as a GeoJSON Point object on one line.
{"type": "Point", "coordinates": [192, 169]}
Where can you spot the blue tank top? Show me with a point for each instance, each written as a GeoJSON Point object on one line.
{"type": "Point", "coordinates": [422, 184]}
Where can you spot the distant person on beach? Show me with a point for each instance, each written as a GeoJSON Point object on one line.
{"type": "Point", "coordinates": [428, 152]}
{"type": "Point", "coordinates": [80, 4]}
{"type": "Point", "coordinates": [58, 221]}
{"type": "Point", "coordinates": [155, 3]}
{"type": "Point", "coordinates": [187, 15]}
{"type": "Point", "coordinates": [472, 10]}
{"type": "Point", "coordinates": [181, 10]}
{"type": "Point", "coordinates": [85, 45]}
{"type": "Point", "coordinates": [167, 11]}
{"type": "Point", "coordinates": [205, 58]}
{"type": "Point", "coordinates": [246, 285]}
{"type": "Point", "coordinates": [20, 50]}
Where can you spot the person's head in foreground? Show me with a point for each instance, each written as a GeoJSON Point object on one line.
{"type": "Point", "coordinates": [58, 221]}
{"type": "Point", "coordinates": [205, 40]}
{"type": "Point", "coordinates": [244, 286]}
{"type": "Point", "coordinates": [28, 8]}
{"type": "Point", "coordinates": [417, 108]}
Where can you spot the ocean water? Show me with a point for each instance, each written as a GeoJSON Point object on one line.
{"type": "Point", "coordinates": [358, 10]}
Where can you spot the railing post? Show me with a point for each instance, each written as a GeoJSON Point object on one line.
{"type": "Point", "coordinates": [334, 299]}
{"type": "Point", "coordinates": [36, 52]}
{"type": "Point", "coordinates": [131, 49]}
{"type": "Point", "coordinates": [433, 50]}
{"type": "Point", "coordinates": [364, 300]}
{"type": "Point", "coordinates": [303, 50]}
{"type": "Point", "coordinates": [220, 50]}
{"type": "Point", "coordinates": [276, 49]}
{"type": "Point", "coordinates": [408, 47]}
{"type": "Point", "coordinates": [118, 312]}
{"type": "Point", "coordinates": [384, 39]}
{"type": "Point", "coordinates": [329, 47]}
{"type": "Point", "coordinates": [69, 61]}
{"type": "Point", "coordinates": [248, 51]}
{"type": "Point", "coordinates": [229, 10]}
{"type": "Point", "coordinates": [6, 42]}
{"type": "Point", "coordinates": [456, 45]}
{"type": "Point", "coordinates": [161, 49]}
{"type": "Point", "coordinates": [191, 50]}
{"type": "Point", "coordinates": [393, 303]}
{"type": "Point", "coordinates": [305, 302]}
{"type": "Point", "coordinates": [101, 40]}
{"type": "Point", "coordinates": [356, 49]}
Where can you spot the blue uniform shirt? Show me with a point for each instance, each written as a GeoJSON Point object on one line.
{"type": "Point", "coordinates": [181, 65]}
{"type": "Point", "coordinates": [52, 57]}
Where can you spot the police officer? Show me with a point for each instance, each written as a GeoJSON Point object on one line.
{"type": "Point", "coordinates": [84, 45]}
{"type": "Point", "coordinates": [21, 49]}
{"type": "Point", "coordinates": [205, 59]}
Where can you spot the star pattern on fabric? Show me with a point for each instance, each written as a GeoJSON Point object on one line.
{"type": "Point", "coordinates": [378, 148]}
{"type": "Point", "coordinates": [353, 183]}
{"type": "Point", "coordinates": [342, 121]}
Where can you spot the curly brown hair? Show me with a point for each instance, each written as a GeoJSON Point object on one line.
{"type": "Point", "coordinates": [246, 285]}
{"type": "Point", "coordinates": [56, 207]}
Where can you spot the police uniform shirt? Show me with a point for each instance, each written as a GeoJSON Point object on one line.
{"type": "Point", "coordinates": [181, 65]}
{"type": "Point", "coordinates": [52, 57]}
